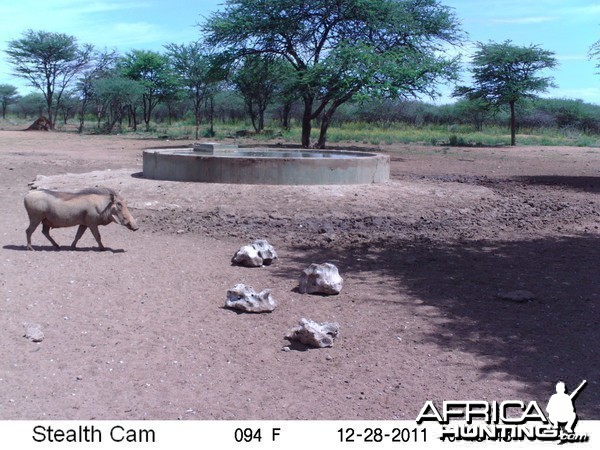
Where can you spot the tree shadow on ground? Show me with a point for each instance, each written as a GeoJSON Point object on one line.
{"type": "Point", "coordinates": [553, 337]}
{"type": "Point", "coordinates": [578, 183]}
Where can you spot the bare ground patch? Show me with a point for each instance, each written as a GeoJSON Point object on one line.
{"type": "Point", "coordinates": [141, 332]}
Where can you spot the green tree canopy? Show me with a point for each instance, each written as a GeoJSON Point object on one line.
{"type": "Point", "coordinates": [342, 48]}
{"type": "Point", "coordinates": [33, 103]}
{"type": "Point", "coordinates": [504, 73]}
{"type": "Point", "coordinates": [259, 80]}
{"type": "Point", "coordinates": [114, 96]}
{"type": "Point", "coordinates": [152, 70]}
{"type": "Point", "coordinates": [196, 72]}
{"type": "Point", "coordinates": [8, 96]}
{"type": "Point", "coordinates": [101, 65]}
{"type": "Point", "coordinates": [49, 62]}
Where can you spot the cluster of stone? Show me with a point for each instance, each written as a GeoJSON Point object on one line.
{"type": "Point", "coordinates": [319, 279]}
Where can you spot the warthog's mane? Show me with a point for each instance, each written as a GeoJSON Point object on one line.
{"type": "Point", "coordinates": [87, 191]}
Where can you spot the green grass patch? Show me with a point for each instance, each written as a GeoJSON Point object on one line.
{"type": "Point", "coordinates": [359, 132]}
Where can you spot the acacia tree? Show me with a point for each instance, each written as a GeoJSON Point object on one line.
{"type": "Point", "coordinates": [287, 94]}
{"type": "Point", "coordinates": [504, 73]}
{"type": "Point", "coordinates": [68, 106]}
{"type": "Point", "coordinates": [474, 111]}
{"type": "Point", "coordinates": [594, 53]}
{"type": "Point", "coordinates": [152, 70]}
{"type": "Point", "coordinates": [114, 96]}
{"type": "Point", "coordinates": [101, 66]}
{"type": "Point", "coordinates": [258, 80]}
{"type": "Point", "coordinates": [341, 48]}
{"type": "Point", "coordinates": [8, 96]}
{"type": "Point", "coordinates": [49, 62]}
{"type": "Point", "coordinates": [195, 70]}
{"type": "Point", "coordinates": [33, 103]}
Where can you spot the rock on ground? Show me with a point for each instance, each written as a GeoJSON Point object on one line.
{"type": "Point", "coordinates": [321, 279]}
{"type": "Point", "coordinates": [257, 254]}
{"type": "Point", "coordinates": [34, 332]}
{"type": "Point", "coordinates": [245, 298]}
{"type": "Point", "coordinates": [314, 334]}
{"type": "Point", "coordinates": [519, 296]}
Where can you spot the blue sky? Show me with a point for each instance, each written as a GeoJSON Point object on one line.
{"type": "Point", "coordinates": [566, 27]}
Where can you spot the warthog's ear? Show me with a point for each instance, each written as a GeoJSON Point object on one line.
{"type": "Point", "coordinates": [113, 204]}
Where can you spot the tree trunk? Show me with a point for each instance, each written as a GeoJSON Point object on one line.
{"type": "Point", "coordinates": [325, 122]}
{"type": "Point", "coordinates": [261, 121]}
{"type": "Point", "coordinates": [148, 107]}
{"type": "Point", "coordinates": [285, 115]}
{"type": "Point", "coordinates": [133, 117]}
{"type": "Point", "coordinates": [198, 113]}
{"type": "Point", "coordinates": [262, 107]}
{"type": "Point", "coordinates": [252, 114]}
{"type": "Point", "coordinates": [51, 119]}
{"type": "Point", "coordinates": [513, 124]}
{"type": "Point", "coordinates": [212, 116]}
{"type": "Point", "coordinates": [81, 119]}
{"type": "Point", "coordinates": [306, 121]}
{"type": "Point", "coordinates": [169, 113]}
{"type": "Point", "coordinates": [49, 95]}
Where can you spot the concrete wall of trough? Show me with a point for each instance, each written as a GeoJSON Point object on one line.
{"type": "Point", "coordinates": [163, 164]}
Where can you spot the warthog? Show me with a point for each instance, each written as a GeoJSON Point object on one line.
{"type": "Point", "coordinates": [87, 208]}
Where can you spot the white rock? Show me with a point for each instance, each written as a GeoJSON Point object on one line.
{"type": "Point", "coordinates": [321, 279]}
{"type": "Point", "coordinates": [247, 256]}
{"type": "Point", "coordinates": [256, 254]}
{"type": "Point", "coordinates": [265, 251]}
{"type": "Point", "coordinates": [244, 298]}
{"type": "Point", "coordinates": [314, 334]}
{"type": "Point", "coordinates": [34, 332]}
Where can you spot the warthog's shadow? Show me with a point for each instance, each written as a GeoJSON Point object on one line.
{"type": "Point", "coordinates": [49, 248]}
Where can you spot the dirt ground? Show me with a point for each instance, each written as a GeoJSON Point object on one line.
{"type": "Point", "coordinates": [140, 331]}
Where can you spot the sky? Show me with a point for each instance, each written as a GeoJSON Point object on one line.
{"type": "Point", "coordinates": [566, 27]}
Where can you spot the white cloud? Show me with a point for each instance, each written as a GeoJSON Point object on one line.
{"type": "Point", "coordinates": [582, 11]}
{"type": "Point", "coordinates": [526, 20]}
{"type": "Point", "coordinates": [574, 57]}
{"type": "Point", "coordinates": [122, 25]}
{"type": "Point", "coordinates": [107, 23]}
{"type": "Point", "coordinates": [84, 20]}
{"type": "Point", "coordinates": [123, 35]}
{"type": "Point", "coordinates": [588, 95]}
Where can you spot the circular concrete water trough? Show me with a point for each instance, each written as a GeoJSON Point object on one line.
{"type": "Point", "coordinates": [216, 163]}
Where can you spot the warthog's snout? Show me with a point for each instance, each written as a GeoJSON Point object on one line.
{"type": "Point", "coordinates": [121, 214]}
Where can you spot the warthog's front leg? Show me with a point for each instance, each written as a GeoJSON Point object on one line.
{"type": "Point", "coordinates": [46, 232]}
{"type": "Point", "coordinates": [96, 233]}
{"type": "Point", "coordinates": [80, 232]}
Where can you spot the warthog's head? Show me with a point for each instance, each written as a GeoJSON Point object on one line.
{"type": "Point", "coordinates": [120, 214]}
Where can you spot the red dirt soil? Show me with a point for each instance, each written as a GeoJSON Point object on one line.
{"type": "Point", "coordinates": [140, 331]}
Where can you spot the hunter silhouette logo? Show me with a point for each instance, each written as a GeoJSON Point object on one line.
{"type": "Point", "coordinates": [560, 407]}
{"type": "Point", "coordinates": [510, 420]}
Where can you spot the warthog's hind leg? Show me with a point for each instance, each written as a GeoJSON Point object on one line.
{"type": "Point", "coordinates": [46, 232]}
{"type": "Point", "coordinates": [30, 229]}
{"type": "Point", "coordinates": [80, 232]}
